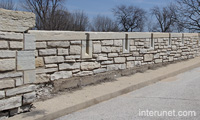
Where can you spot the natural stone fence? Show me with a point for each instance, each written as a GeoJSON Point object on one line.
{"type": "Point", "coordinates": [29, 58]}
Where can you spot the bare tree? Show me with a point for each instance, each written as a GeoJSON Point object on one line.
{"type": "Point", "coordinates": [130, 18]}
{"type": "Point", "coordinates": [79, 21]}
{"type": "Point", "coordinates": [104, 24]}
{"type": "Point", "coordinates": [7, 4]}
{"type": "Point", "coordinates": [50, 14]}
{"type": "Point", "coordinates": [189, 12]}
{"type": "Point", "coordinates": [166, 19]}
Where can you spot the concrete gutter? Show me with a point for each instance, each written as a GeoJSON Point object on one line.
{"type": "Point", "coordinates": [91, 95]}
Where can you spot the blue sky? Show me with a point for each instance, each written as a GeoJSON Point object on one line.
{"type": "Point", "coordinates": [104, 7]}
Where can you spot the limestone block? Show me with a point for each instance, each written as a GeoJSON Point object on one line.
{"type": "Point", "coordinates": [120, 60]}
{"type": "Point", "coordinates": [75, 42]}
{"type": "Point", "coordinates": [3, 44]}
{"type": "Point", "coordinates": [121, 66]}
{"type": "Point", "coordinates": [11, 36]}
{"type": "Point", "coordinates": [7, 64]}
{"type": "Point", "coordinates": [89, 65]}
{"type": "Point", "coordinates": [118, 43]}
{"type": "Point", "coordinates": [16, 21]}
{"type": "Point", "coordinates": [106, 49]}
{"type": "Point", "coordinates": [29, 76]}
{"type": "Point", "coordinates": [102, 58]}
{"type": "Point", "coordinates": [20, 90]}
{"type": "Point", "coordinates": [10, 74]}
{"type": "Point", "coordinates": [148, 57]}
{"type": "Point", "coordinates": [19, 81]}
{"type": "Point", "coordinates": [130, 64]}
{"type": "Point", "coordinates": [112, 67]}
{"type": "Point", "coordinates": [63, 44]}
{"type": "Point", "coordinates": [157, 55]}
{"type": "Point", "coordinates": [39, 62]}
{"type": "Point", "coordinates": [61, 75]}
{"type": "Point", "coordinates": [51, 66]}
{"type": "Point", "coordinates": [138, 63]}
{"type": "Point", "coordinates": [29, 42]}
{"type": "Point", "coordinates": [29, 98]}
{"type": "Point", "coordinates": [83, 73]}
{"type": "Point", "coordinates": [41, 45]}
{"type": "Point", "coordinates": [96, 48]}
{"type": "Point", "coordinates": [115, 49]}
{"type": "Point", "coordinates": [7, 54]}
{"type": "Point", "coordinates": [130, 58]}
{"type": "Point", "coordinates": [2, 94]}
{"type": "Point", "coordinates": [113, 54]}
{"type": "Point", "coordinates": [43, 52]}
{"type": "Point", "coordinates": [54, 59]}
{"type": "Point", "coordinates": [10, 103]}
{"type": "Point", "coordinates": [133, 48]}
{"type": "Point", "coordinates": [75, 50]}
{"type": "Point", "coordinates": [100, 70]}
{"type": "Point", "coordinates": [143, 50]}
{"type": "Point", "coordinates": [25, 60]}
{"type": "Point", "coordinates": [62, 51]}
{"type": "Point", "coordinates": [49, 70]}
{"type": "Point", "coordinates": [69, 66]}
{"type": "Point", "coordinates": [171, 58]}
{"type": "Point", "coordinates": [16, 45]}
{"type": "Point", "coordinates": [106, 62]}
{"type": "Point", "coordinates": [158, 61]}
{"type": "Point", "coordinates": [42, 78]}
{"type": "Point", "coordinates": [72, 57]}
{"type": "Point", "coordinates": [107, 42]}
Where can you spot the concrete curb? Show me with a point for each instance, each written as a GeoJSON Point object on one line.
{"type": "Point", "coordinates": [105, 97]}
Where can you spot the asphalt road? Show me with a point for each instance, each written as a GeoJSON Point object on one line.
{"type": "Point", "coordinates": [174, 98]}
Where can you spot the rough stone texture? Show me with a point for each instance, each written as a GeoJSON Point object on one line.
{"type": "Point", "coordinates": [117, 42]}
{"type": "Point", "coordinates": [29, 76]}
{"type": "Point", "coordinates": [29, 98]}
{"type": "Point", "coordinates": [7, 64]}
{"type": "Point", "coordinates": [10, 103]}
{"type": "Point", "coordinates": [29, 42]}
{"type": "Point", "coordinates": [148, 57]}
{"type": "Point", "coordinates": [16, 45]}
{"type": "Point", "coordinates": [113, 55]}
{"type": "Point", "coordinates": [106, 49]}
{"type": "Point", "coordinates": [120, 60]}
{"type": "Point", "coordinates": [11, 36]}
{"type": "Point", "coordinates": [61, 75]}
{"type": "Point", "coordinates": [25, 60]}
{"type": "Point", "coordinates": [49, 70]}
{"type": "Point", "coordinates": [51, 66]}
{"type": "Point", "coordinates": [11, 75]}
{"type": "Point", "coordinates": [54, 59]}
{"type": "Point", "coordinates": [100, 70]}
{"type": "Point", "coordinates": [41, 45]}
{"type": "Point", "coordinates": [59, 44]}
{"type": "Point", "coordinates": [158, 61]}
{"type": "Point", "coordinates": [69, 66]}
{"type": "Point", "coordinates": [3, 44]}
{"type": "Point", "coordinates": [107, 42]}
{"type": "Point", "coordinates": [96, 48]}
{"type": "Point", "coordinates": [7, 54]}
{"type": "Point", "coordinates": [83, 73]}
{"type": "Point", "coordinates": [2, 94]}
{"type": "Point", "coordinates": [20, 90]}
{"type": "Point", "coordinates": [44, 52]}
{"type": "Point", "coordinates": [89, 65]}
{"type": "Point", "coordinates": [75, 50]}
{"type": "Point", "coordinates": [19, 81]}
{"type": "Point", "coordinates": [62, 51]}
{"type": "Point", "coordinates": [16, 21]}
{"type": "Point", "coordinates": [39, 62]}
{"type": "Point", "coordinates": [42, 78]}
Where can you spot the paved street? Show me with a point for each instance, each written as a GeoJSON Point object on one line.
{"type": "Point", "coordinates": [179, 93]}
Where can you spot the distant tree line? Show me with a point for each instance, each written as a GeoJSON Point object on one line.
{"type": "Point", "coordinates": [52, 15]}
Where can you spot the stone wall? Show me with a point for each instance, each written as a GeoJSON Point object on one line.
{"type": "Point", "coordinates": [17, 62]}
{"type": "Point", "coordinates": [31, 58]}
{"type": "Point", "coordinates": [62, 55]}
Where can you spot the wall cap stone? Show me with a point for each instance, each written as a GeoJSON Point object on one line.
{"type": "Point", "coordinates": [16, 21]}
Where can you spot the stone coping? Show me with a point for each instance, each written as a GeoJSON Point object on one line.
{"type": "Point", "coordinates": [72, 35]}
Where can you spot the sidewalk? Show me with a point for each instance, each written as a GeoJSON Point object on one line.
{"type": "Point", "coordinates": [90, 95]}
